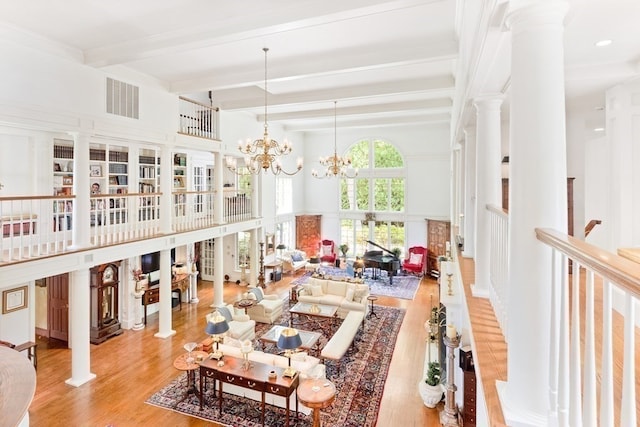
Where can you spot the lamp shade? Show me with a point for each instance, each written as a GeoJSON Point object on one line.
{"type": "Point", "coordinates": [217, 325]}
{"type": "Point", "coordinates": [289, 339]}
{"type": "Point", "coordinates": [281, 246]}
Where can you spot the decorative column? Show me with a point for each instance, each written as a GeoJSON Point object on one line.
{"type": "Point", "coordinates": [137, 293]}
{"type": "Point", "coordinates": [449, 416]}
{"type": "Point", "coordinates": [166, 183]}
{"type": "Point", "coordinates": [218, 198]}
{"type": "Point", "coordinates": [81, 233]}
{"type": "Point", "coordinates": [538, 198]}
{"type": "Point", "coordinates": [80, 322]}
{"type": "Point", "coordinates": [469, 192]}
{"type": "Point", "coordinates": [218, 272]}
{"type": "Point", "coordinates": [193, 285]}
{"type": "Point", "coordinates": [164, 320]}
{"type": "Point", "coordinates": [488, 185]}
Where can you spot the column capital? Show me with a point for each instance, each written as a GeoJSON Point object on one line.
{"type": "Point", "coordinates": [469, 132]}
{"type": "Point", "coordinates": [529, 14]}
{"type": "Point", "coordinates": [488, 102]}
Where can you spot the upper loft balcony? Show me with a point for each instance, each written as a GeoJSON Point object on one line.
{"type": "Point", "coordinates": [197, 119]}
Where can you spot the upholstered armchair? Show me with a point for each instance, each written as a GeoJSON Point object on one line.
{"type": "Point", "coordinates": [268, 307]}
{"type": "Point", "coordinates": [415, 261]}
{"type": "Point", "coordinates": [328, 251]}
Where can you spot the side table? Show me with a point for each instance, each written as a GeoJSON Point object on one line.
{"type": "Point", "coordinates": [183, 364]}
{"type": "Point", "coordinates": [371, 299]}
{"type": "Point", "coordinates": [316, 394]}
{"type": "Point", "coordinates": [244, 303]}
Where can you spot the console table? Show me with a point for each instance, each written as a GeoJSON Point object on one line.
{"type": "Point", "coordinates": [180, 283]}
{"type": "Point", "coordinates": [255, 378]}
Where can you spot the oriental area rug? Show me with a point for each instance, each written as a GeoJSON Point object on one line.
{"type": "Point", "coordinates": [404, 287]}
{"type": "Point", "coordinates": [359, 383]}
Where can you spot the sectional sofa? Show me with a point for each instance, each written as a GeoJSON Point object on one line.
{"type": "Point", "coordinates": [347, 294]}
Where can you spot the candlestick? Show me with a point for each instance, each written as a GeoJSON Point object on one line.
{"type": "Point", "coordinates": [449, 416]}
{"type": "Point", "coordinates": [451, 331]}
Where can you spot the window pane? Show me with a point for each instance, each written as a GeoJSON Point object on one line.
{"type": "Point", "coordinates": [386, 155]}
{"type": "Point", "coordinates": [396, 233]}
{"type": "Point", "coordinates": [362, 194]}
{"type": "Point", "coordinates": [347, 195]}
{"type": "Point", "coordinates": [347, 235]}
{"type": "Point", "coordinates": [397, 195]}
{"type": "Point", "coordinates": [362, 235]}
{"type": "Point", "coordinates": [380, 194]}
{"type": "Point", "coordinates": [359, 154]}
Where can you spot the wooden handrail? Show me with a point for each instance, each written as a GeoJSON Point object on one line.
{"type": "Point", "coordinates": [591, 226]}
{"type": "Point", "coordinates": [191, 101]}
{"type": "Point", "coordinates": [622, 272]}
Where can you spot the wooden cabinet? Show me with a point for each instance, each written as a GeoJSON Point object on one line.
{"type": "Point", "coordinates": [469, 387]}
{"type": "Point", "coordinates": [104, 302]}
{"type": "Point", "coordinates": [308, 233]}
{"type": "Point", "coordinates": [438, 234]}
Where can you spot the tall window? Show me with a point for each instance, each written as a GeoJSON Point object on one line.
{"type": "Point", "coordinates": [284, 235]}
{"type": "Point", "coordinates": [198, 185]}
{"type": "Point", "coordinates": [379, 190]}
{"type": "Point", "coordinates": [243, 247]}
{"type": "Point", "coordinates": [284, 195]}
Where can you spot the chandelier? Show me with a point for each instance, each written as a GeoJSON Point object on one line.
{"type": "Point", "coordinates": [335, 165]}
{"type": "Point", "coordinates": [263, 154]}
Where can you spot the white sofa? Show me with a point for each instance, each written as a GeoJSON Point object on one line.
{"type": "Point", "coordinates": [241, 327]}
{"type": "Point", "coordinates": [293, 260]}
{"type": "Point", "coordinates": [346, 294]}
{"type": "Point", "coordinates": [306, 365]}
{"type": "Point", "coordinates": [268, 308]}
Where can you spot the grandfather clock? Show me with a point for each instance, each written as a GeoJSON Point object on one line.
{"type": "Point", "coordinates": [104, 302]}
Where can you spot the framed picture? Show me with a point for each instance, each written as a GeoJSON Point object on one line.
{"type": "Point", "coordinates": [113, 180]}
{"type": "Point", "coordinates": [95, 170]}
{"type": "Point", "coordinates": [56, 167]}
{"type": "Point", "coordinates": [14, 299]}
{"type": "Point", "coordinates": [67, 180]}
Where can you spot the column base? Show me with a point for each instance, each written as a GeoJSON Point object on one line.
{"type": "Point", "coordinates": [77, 382]}
{"type": "Point", "coordinates": [164, 334]}
{"type": "Point", "coordinates": [449, 420]}
{"type": "Point", "coordinates": [194, 300]}
{"type": "Point", "coordinates": [138, 326]}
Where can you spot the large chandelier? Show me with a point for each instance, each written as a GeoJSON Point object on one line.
{"type": "Point", "coordinates": [335, 165]}
{"type": "Point", "coordinates": [262, 154]}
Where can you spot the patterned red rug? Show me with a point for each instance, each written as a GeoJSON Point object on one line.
{"type": "Point", "coordinates": [359, 384]}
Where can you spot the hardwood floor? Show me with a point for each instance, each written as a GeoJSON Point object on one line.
{"type": "Point", "coordinates": [132, 366]}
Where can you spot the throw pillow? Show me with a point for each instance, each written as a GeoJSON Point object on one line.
{"type": "Point", "coordinates": [415, 259]}
{"type": "Point", "coordinates": [296, 257]}
{"type": "Point", "coordinates": [327, 250]}
{"type": "Point", "coordinates": [349, 295]}
{"type": "Point", "coordinates": [316, 291]}
{"type": "Point", "coordinates": [224, 311]}
{"type": "Point", "coordinates": [300, 356]}
{"type": "Point", "coordinates": [258, 293]}
{"type": "Point", "coordinates": [231, 341]}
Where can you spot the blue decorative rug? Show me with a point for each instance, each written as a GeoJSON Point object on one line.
{"type": "Point", "coordinates": [404, 287]}
{"type": "Point", "coordinates": [359, 384]}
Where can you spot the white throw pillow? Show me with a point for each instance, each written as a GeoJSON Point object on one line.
{"type": "Point", "coordinates": [326, 250]}
{"type": "Point", "coordinates": [415, 259]}
{"type": "Point", "coordinates": [349, 296]}
{"type": "Point", "coordinates": [316, 291]}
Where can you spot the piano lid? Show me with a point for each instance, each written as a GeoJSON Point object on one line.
{"type": "Point", "coordinates": [383, 248]}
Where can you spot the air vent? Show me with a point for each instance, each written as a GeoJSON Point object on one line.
{"type": "Point", "coordinates": [122, 99]}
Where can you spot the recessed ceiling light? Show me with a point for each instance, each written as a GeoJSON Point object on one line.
{"type": "Point", "coordinates": [605, 42]}
{"type": "Point", "coordinates": [598, 129]}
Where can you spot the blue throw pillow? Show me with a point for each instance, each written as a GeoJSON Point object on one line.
{"type": "Point", "coordinates": [224, 311]}
{"type": "Point", "coordinates": [296, 257]}
{"type": "Point", "coordinates": [258, 293]}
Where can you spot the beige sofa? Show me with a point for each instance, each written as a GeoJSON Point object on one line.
{"type": "Point", "coordinates": [293, 260]}
{"type": "Point", "coordinates": [346, 295]}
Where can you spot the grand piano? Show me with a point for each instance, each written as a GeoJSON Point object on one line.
{"type": "Point", "coordinates": [377, 260]}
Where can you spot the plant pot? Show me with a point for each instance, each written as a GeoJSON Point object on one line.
{"type": "Point", "coordinates": [431, 394]}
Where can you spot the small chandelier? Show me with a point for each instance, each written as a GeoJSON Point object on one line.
{"type": "Point", "coordinates": [335, 165]}
{"type": "Point", "coordinates": [262, 154]}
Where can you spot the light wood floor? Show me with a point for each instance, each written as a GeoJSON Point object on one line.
{"type": "Point", "coordinates": [132, 366]}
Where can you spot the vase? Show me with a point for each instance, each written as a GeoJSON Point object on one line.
{"type": "Point", "coordinates": [431, 394]}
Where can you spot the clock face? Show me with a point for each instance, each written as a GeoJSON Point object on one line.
{"type": "Point", "coordinates": [108, 275]}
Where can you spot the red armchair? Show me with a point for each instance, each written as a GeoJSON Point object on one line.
{"type": "Point", "coordinates": [328, 251]}
{"type": "Point", "coordinates": [416, 260]}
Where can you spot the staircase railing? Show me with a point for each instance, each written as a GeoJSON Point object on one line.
{"type": "Point", "coordinates": [198, 119]}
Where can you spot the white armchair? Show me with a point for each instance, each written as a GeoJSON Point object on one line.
{"type": "Point", "coordinates": [241, 327]}
{"type": "Point", "coordinates": [268, 307]}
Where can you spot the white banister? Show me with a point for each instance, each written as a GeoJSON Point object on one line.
{"type": "Point", "coordinates": [590, 415]}
{"type": "Point", "coordinates": [499, 264]}
{"type": "Point", "coordinates": [628, 410]}
{"type": "Point", "coordinates": [606, 388]}
{"type": "Point", "coordinates": [575, 384]}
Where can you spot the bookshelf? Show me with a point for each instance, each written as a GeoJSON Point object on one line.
{"type": "Point", "coordinates": [148, 182]}
{"type": "Point", "coordinates": [179, 182]}
{"type": "Point", "coordinates": [62, 184]}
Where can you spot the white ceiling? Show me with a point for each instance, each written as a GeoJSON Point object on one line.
{"type": "Point", "coordinates": [385, 62]}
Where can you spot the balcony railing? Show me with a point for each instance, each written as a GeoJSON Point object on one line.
{"type": "Point", "coordinates": [198, 119]}
{"type": "Point", "coordinates": [40, 226]}
{"type": "Point", "coordinates": [599, 292]}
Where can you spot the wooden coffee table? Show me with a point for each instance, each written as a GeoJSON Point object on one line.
{"type": "Point", "coordinates": [310, 340]}
{"type": "Point", "coordinates": [317, 311]}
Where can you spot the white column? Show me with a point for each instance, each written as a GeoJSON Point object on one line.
{"type": "Point", "coordinates": [79, 327]}
{"type": "Point", "coordinates": [256, 211]}
{"type": "Point", "coordinates": [218, 201]}
{"type": "Point", "coordinates": [164, 330]}
{"type": "Point", "coordinates": [255, 256]}
{"type": "Point", "coordinates": [81, 188]}
{"type": "Point", "coordinates": [469, 192]}
{"type": "Point", "coordinates": [166, 186]}
{"type": "Point", "coordinates": [218, 272]}
{"type": "Point", "coordinates": [488, 185]}
{"type": "Point", "coordinates": [538, 198]}
{"type": "Point", "coordinates": [462, 184]}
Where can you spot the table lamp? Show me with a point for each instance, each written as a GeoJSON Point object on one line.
{"type": "Point", "coordinates": [216, 327]}
{"type": "Point", "coordinates": [288, 341]}
{"type": "Point", "coordinates": [280, 248]}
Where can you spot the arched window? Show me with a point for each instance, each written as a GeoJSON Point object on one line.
{"type": "Point", "coordinates": [373, 203]}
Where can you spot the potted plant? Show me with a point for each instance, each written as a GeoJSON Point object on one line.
{"type": "Point", "coordinates": [344, 248]}
{"type": "Point", "coordinates": [431, 390]}
{"type": "Point", "coordinates": [396, 251]}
